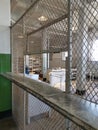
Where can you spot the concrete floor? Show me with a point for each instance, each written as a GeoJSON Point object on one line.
{"type": "Point", "coordinates": [7, 124]}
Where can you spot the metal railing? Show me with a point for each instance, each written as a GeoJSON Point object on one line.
{"type": "Point", "coordinates": [39, 106]}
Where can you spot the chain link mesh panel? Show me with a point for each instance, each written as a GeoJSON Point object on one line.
{"type": "Point", "coordinates": [50, 42]}
{"type": "Point", "coordinates": [18, 8]}
{"type": "Point", "coordinates": [34, 45]}
{"type": "Point", "coordinates": [44, 12]}
{"type": "Point", "coordinates": [18, 47]}
{"type": "Point", "coordinates": [57, 36]}
{"type": "Point", "coordinates": [18, 106]}
{"type": "Point", "coordinates": [50, 37]}
{"type": "Point", "coordinates": [40, 116]}
{"type": "Point", "coordinates": [84, 47]}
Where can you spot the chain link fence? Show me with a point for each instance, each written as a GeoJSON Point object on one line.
{"type": "Point", "coordinates": [44, 31]}
{"type": "Point", "coordinates": [18, 44]}
{"type": "Point", "coordinates": [43, 117]}
{"type": "Point", "coordinates": [84, 47]}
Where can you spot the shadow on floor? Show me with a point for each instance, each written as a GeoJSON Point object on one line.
{"type": "Point", "coordinates": [7, 124]}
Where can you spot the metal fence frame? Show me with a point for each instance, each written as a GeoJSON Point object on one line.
{"type": "Point", "coordinates": [91, 92]}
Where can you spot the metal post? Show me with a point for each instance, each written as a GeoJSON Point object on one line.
{"type": "Point", "coordinates": [82, 42]}
{"type": "Point", "coordinates": [47, 50]}
{"type": "Point", "coordinates": [45, 55]}
{"type": "Point", "coordinates": [69, 47]}
{"type": "Point", "coordinates": [11, 46]}
{"type": "Point", "coordinates": [27, 45]}
{"type": "Point", "coordinates": [69, 58]}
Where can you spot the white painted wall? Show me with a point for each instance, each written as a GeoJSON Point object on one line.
{"type": "Point", "coordinates": [5, 12]}
{"type": "Point", "coordinates": [56, 61]}
{"type": "Point", "coordinates": [4, 40]}
{"type": "Point", "coordinates": [4, 26]}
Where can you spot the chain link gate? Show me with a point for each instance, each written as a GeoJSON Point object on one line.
{"type": "Point", "coordinates": [73, 30]}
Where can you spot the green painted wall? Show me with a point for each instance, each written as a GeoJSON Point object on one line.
{"type": "Point", "coordinates": [5, 85]}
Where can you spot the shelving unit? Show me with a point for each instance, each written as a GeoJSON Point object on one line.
{"type": "Point", "coordinates": [20, 65]}
{"type": "Point", "coordinates": [34, 63]}
{"type": "Point", "coordinates": [73, 74]}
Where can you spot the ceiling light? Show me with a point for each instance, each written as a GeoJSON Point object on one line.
{"type": "Point", "coordinates": [95, 13]}
{"type": "Point", "coordinates": [73, 28]}
{"type": "Point", "coordinates": [20, 36]}
{"type": "Point", "coordinates": [31, 41]}
{"type": "Point", "coordinates": [42, 18]}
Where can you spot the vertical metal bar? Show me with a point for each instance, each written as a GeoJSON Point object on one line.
{"type": "Point", "coordinates": [67, 124]}
{"type": "Point", "coordinates": [11, 49]}
{"type": "Point", "coordinates": [83, 50]}
{"type": "Point", "coordinates": [69, 46]}
{"type": "Point", "coordinates": [24, 109]}
{"type": "Point", "coordinates": [69, 58]}
{"type": "Point", "coordinates": [48, 43]}
{"type": "Point", "coordinates": [27, 45]}
{"type": "Point", "coordinates": [45, 55]}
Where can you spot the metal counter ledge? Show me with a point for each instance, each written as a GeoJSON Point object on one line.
{"type": "Point", "coordinates": [80, 111]}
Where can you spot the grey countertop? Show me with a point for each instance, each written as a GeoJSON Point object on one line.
{"type": "Point", "coordinates": [80, 111]}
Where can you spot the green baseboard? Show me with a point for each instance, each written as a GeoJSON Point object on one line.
{"type": "Point", "coordinates": [5, 85]}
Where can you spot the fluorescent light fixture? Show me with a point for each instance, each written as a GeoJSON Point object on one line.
{"type": "Point", "coordinates": [20, 36]}
{"type": "Point", "coordinates": [42, 18]}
